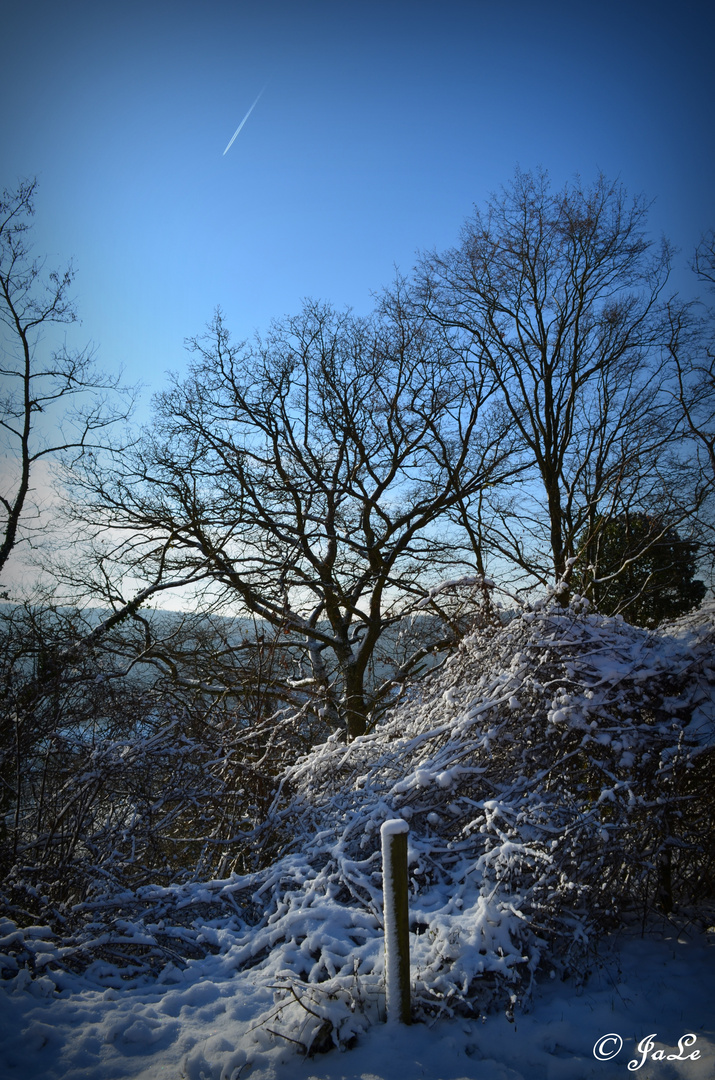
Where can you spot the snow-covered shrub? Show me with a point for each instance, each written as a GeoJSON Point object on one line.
{"type": "Point", "coordinates": [556, 776]}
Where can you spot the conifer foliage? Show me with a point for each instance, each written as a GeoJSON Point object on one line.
{"type": "Point", "coordinates": [642, 568]}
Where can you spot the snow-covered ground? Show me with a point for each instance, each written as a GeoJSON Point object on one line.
{"type": "Point", "coordinates": [544, 772]}
{"type": "Point", "coordinates": [203, 1027]}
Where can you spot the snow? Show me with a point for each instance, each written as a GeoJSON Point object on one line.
{"type": "Point", "coordinates": [210, 1024]}
{"type": "Point", "coordinates": [393, 827]}
{"type": "Point", "coordinates": [466, 581]}
{"type": "Point", "coordinates": [538, 769]}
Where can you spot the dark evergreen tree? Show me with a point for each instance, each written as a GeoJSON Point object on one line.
{"type": "Point", "coordinates": [641, 568]}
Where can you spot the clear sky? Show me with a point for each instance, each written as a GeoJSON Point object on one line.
{"type": "Point", "coordinates": [380, 126]}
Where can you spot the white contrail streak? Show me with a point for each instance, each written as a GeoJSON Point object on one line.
{"type": "Point", "coordinates": [243, 122]}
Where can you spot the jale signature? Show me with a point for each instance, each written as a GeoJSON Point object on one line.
{"type": "Point", "coordinates": [646, 1046]}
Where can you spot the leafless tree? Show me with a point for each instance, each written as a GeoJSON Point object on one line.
{"type": "Point", "coordinates": [35, 384]}
{"type": "Point", "coordinates": [558, 295]}
{"type": "Point", "coordinates": [310, 475]}
{"type": "Point", "coordinates": [54, 406]}
{"type": "Point", "coordinates": [704, 261]}
{"type": "Point", "coordinates": [696, 363]}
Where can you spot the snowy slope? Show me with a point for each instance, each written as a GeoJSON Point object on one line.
{"type": "Point", "coordinates": [203, 1027]}
{"type": "Point", "coordinates": [551, 773]}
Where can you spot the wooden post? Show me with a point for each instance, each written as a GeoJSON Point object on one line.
{"type": "Point", "coordinates": [393, 835]}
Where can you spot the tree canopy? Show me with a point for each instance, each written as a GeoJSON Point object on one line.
{"type": "Point", "coordinates": [310, 477]}
{"type": "Point", "coordinates": [55, 403]}
{"type": "Point", "coordinates": [558, 296]}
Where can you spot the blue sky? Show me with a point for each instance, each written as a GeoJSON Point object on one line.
{"type": "Point", "coordinates": [380, 126]}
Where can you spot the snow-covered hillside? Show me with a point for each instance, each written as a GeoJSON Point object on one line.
{"type": "Point", "coordinates": [556, 775]}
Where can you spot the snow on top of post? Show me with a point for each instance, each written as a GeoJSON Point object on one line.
{"type": "Point", "coordinates": [393, 826]}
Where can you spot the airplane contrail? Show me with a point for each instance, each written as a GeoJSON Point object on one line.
{"type": "Point", "coordinates": [243, 122]}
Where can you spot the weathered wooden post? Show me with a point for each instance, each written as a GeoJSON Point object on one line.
{"type": "Point", "coordinates": [393, 835]}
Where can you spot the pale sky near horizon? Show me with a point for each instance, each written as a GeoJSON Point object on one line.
{"type": "Point", "coordinates": [380, 126]}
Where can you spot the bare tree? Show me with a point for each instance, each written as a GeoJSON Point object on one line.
{"type": "Point", "coordinates": [558, 296]}
{"type": "Point", "coordinates": [36, 385]}
{"type": "Point", "coordinates": [704, 260]}
{"type": "Point", "coordinates": [311, 476]}
{"type": "Point", "coordinates": [695, 364]}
